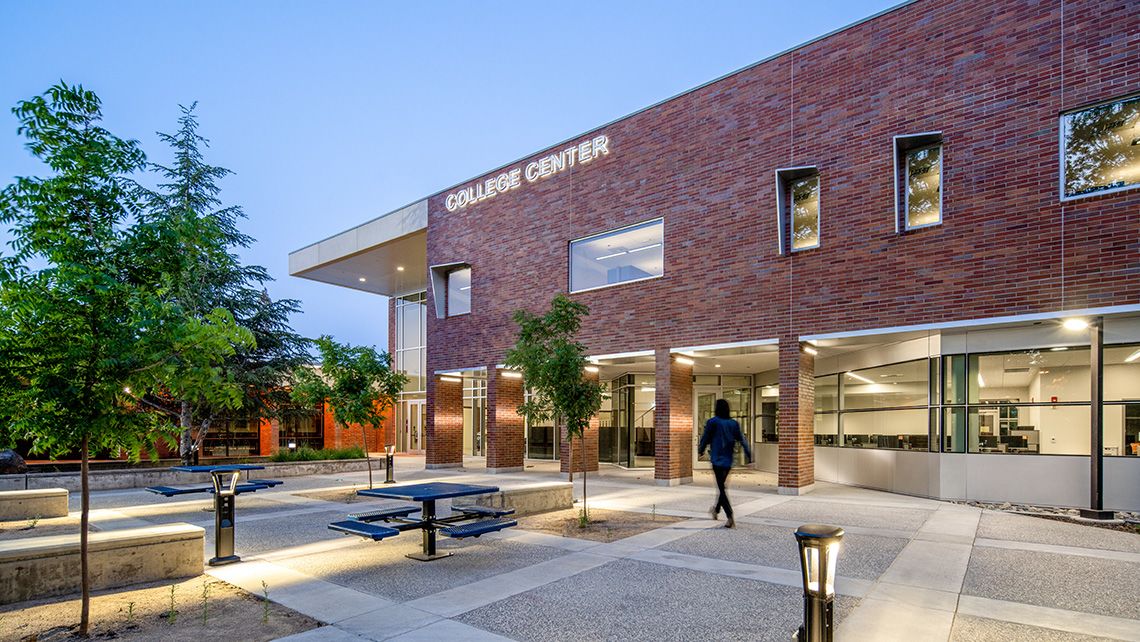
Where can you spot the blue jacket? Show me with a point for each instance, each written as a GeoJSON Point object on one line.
{"type": "Point", "coordinates": [720, 437]}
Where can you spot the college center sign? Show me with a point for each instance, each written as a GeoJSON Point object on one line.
{"type": "Point", "coordinates": [532, 172]}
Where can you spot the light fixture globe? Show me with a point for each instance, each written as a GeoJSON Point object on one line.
{"type": "Point", "coordinates": [819, 551]}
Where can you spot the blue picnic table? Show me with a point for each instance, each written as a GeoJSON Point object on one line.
{"type": "Point", "coordinates": [226, 487]}
{"type": "Point", "coordinates": [467, 521]}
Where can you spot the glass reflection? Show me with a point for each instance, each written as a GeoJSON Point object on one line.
{"type": "Point", "coordinates": [805, 212]}
{"type": "Point", "coordinates": [1102, 147]}
{"type": "Point", "coordinates": [924, 187]}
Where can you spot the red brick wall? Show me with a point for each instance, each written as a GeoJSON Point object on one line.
{"type": "Point", "coordinates": [444, 429]}
{"type": "Point", "coordinates": [797, 415]}
{"type": "Point", "coordinates": [505, 427]}
{"type": "Point", "coordinates": [673, 419]}
{"type": "Point", "coordinates": [988, 75]}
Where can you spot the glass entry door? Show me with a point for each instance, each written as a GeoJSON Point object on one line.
{"type": "Point", "coordinates": [740, 408]}
{"type": "Point", "coordinates": [412, 430]}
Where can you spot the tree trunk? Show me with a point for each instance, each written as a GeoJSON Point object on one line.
{"type": "Point", "coordinates": [185, 443]}
{"type": "Point", "coordinates": [200, 438]}
{"type": "Point", "coordinates": [367, 459]}
{"type": "Point", "coordinates": [569, 450]}
{"type": "Point", "coordinates": [85, 575]}
{"type": "Point", "coordinates": [585, 512]}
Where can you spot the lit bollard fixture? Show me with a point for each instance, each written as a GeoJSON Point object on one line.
{"type": "Point", "coordinates": [225, 492]}
{"type": "Point", "coordinates": [819, 551]}
{"type": "Point", "coordinates": [389, 464]}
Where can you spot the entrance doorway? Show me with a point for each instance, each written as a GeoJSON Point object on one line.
{"type": "Point", "coordinates": [737, 390]}
{"type": "Point", "coordinates": [411, 437]}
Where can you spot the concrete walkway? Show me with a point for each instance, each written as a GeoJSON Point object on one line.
{"type": "Point", "coordinates": [910, 568]}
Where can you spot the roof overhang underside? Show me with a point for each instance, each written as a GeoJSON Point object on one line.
{"type": "Point", "coordinates": [387, 255]}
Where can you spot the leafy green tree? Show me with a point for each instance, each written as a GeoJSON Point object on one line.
{"type": "Point", "coordinates": [357, 381]}
{"type": "Point", "coordinates": [192, 242]}
{"type": "Point", "coordinates": [552, 362]}
{"type": "Point", "coordinates": [78, 330]}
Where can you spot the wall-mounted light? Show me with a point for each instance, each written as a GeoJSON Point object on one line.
{"type": "Point", "coordinates": [511, 374]}
{"type": "Point", "coordinates": [1075, 325]}
{"type": "Point", "coordinates": [810, 350]}
{"type": "Point", "coordinates": [451, 379]}
{"type": "Point", "coordinates": [684, 361]}
{"type": "Point", "coordinates": [593, 369]}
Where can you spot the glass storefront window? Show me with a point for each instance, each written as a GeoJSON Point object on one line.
{"type": "Point", "coordinates": [827, 393]}
{"type": "Point", "coordinates": [767, 414]}
{"type": "Point", "coordinates": [892, 386]}
{"type": "Point", "coordinates": [827, 429]}
{"type": "Point", "coordinates": [924, 187]}
{"type": "Point", "coordinates": [954, 379]}
{"type": "Point", "coordinates": [905, 429]}
{"type": "Point", "coordinates": [804, 217]}
{"type": "Point", "coordinates": [1030, 376]}
{"type": "Point", "coordinates": [1042, 429]}
{"type": "Point", "coordinates": [1101, 148]}
{"type": "Point", "coordinates": [475, 413]}
{"type": "Point", "coordinates": [633, 253]}
{"type": "Point", "coordinates": [459, 292]}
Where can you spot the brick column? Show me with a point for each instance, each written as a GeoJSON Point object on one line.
{"type": "Point", "coordinates": [797, 418]}
{"type": "Point", "coordinates": [673, 421]}
{"type": "Point", "coordinates": [444, 429]}
{"type": "Point", "coordinates": [505, 426]}
{"type": "Point", "coordinates": [591, 438]}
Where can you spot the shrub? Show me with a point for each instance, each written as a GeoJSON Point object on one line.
{"type": "Point", "coordinates": [304, 453]}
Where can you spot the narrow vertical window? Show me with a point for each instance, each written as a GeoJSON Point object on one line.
{"type": "Point", "coordinates": [805, 212]}
{"type": "Point", "coordinates": [918, 180]}
{"type": "Point", "coordinates": [797, 208]}
{"type": "Point", "coordinates": [924, 187]}
{"type": "Point", "coordinates": [459, 292]}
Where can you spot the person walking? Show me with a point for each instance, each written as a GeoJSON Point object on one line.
{"type": "Point", "coordinates": [720, 437]}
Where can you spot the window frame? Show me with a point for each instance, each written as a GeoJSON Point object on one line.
{"type": "Point", "coordinates": [903, 145]}
{"type": "Point", "coordinates": [1061, 167]}
{"type": "Point", "coordinates": [570, 256]}
{"type": "Point", "coordinates": [784, 216]}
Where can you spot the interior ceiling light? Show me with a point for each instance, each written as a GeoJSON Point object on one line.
{"type": "Point", "coordinates": [466, 287]}
{"type": "Point", "coordinates": [1132, 357]}
{"type": "Point", "coordinates": [859, 377]}
{"type": "Point", "coordinates": [399, 268]}
{"type": "Point", "coordinates": [648, 389]}
{"type": "Point", "coordinates": [981, 382]}
{"type": "Point", "coordinates": [646, 247]}
{"type": "Point", "coordinates": [1075, 324]}
{"type": "Point", "coordinates": [610, 256]}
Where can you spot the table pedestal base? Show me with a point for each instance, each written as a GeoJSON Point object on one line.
{"type": "Point", "coordinates": [222, 561]}
{"type": "Point", "coordinates": [424, 557]}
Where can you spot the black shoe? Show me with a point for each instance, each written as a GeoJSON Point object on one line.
{"type": "Point", "coordinates": [731, 523]}
{"type": "Point", "coordinates": [714, 513]}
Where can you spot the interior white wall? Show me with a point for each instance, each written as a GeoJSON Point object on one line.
{"type": "Point", "coordinates": [893, 422]}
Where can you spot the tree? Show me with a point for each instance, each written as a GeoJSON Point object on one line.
{"type": "Point", "coordinates": [357, 381]}
{"type": "Point", "coordinates": [79, 331]}
{"type": "Point", "coordinates": [552, 362]}
{"type": "Point", "coordinates": [191, 240]}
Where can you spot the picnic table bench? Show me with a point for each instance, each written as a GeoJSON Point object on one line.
{"type": "Point", "coordinates": [398, 519]}
{"type": "Point", "coordinates": [225, 488]}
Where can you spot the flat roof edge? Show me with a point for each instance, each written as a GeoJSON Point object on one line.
{"type": "Point", "coordinates": [402, 208]}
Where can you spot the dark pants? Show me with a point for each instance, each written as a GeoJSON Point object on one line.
{"type": "Point", "coordinates": [722, 500]}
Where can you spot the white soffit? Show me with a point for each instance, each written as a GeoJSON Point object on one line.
{"type": "Point", "coordinates": [375, 252]}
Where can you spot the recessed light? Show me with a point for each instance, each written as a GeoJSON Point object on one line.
{"type": "Point", "coordinates": [1075, 324]}
{"type": "Point", "coordinates": [717, 365]}
{"type": "Point", "coordinates": [1132, 357]}
{"type": "Point", "coordinates": [399, 268]}
{"type": "Point", "coordinates": [1058, 349]}
{"type": "Point", "coordinates": [362, 279]}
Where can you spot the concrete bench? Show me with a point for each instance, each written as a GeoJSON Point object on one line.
{"type": "Point", "coordinates": [483, 511]}
{"type": "Point", "coordinates": [374, 532]}
{"type": "Point", "coordinates": [37, 567]}
{"type": "Point", "coordinates": [32, 504]}
{"type": "Point", "coordinates": [475, 529]}
{"type": "Point", "coordinates": [531, 499]}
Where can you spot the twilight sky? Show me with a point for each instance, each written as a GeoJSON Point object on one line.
{"type": "Point", "coordinates": [333, 113]}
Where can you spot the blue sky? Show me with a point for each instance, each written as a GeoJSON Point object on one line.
{"type": "Point", "coordinates": [333, 113]}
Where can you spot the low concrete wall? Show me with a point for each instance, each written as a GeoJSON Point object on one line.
{"type": "Point", "coordinates": [527, 500]}
{"type": "Point", "coordinates": [37, 567]}
{"type": "Point", "coordinates": [32, 504]}
{"type": "Point", "coordinates": [143, 477]}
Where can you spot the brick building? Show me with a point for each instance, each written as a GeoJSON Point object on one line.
{"type": "Point", "coordinates": [897, 250]}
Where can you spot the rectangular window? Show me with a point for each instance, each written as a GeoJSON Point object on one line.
{"type": "Point", "coordinates": [1101, 148]}
{"type": "Point", "coordinates": [924, 187]}
{"type": "Point", "coordinates": [804, 193]}
{"type": "Point", "coordinates": [459, 292]}
{"type": "Point", "coordinates": [633, 253]}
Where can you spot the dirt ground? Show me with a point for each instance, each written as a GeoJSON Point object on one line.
{"type": "Point", "coordinates": [39, 527]}
{"type": "Point", "coordinates": [342, 495]}
{"type": "Point", "coordinates": [604, 526]}
{"type": "Point", "coordinates": [143, 613]}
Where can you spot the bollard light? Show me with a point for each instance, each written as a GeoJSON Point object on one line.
{"type": "Point", "coordinates": [389, 464]}
{"type": "Point", "coordinates": [819, 551]}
